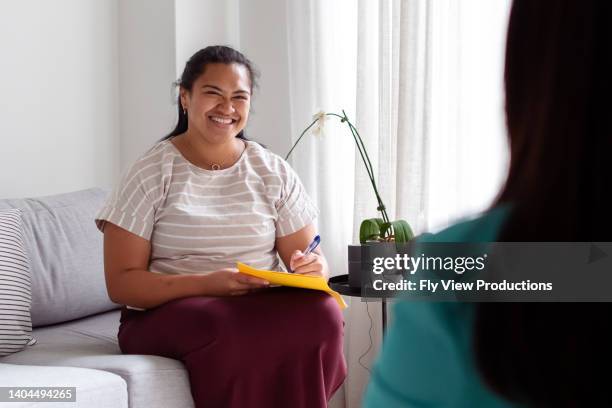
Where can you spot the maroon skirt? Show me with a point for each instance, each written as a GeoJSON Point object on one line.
{"type": "Point", "coordinates": [278, 347]}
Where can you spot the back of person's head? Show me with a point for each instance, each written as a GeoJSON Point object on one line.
{"type": "Point", "coordinates": [557, 80]}
{"type": "Point", "coordinates": [195, 67]}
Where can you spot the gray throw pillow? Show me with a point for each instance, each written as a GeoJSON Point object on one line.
{"type": "Point", "coordinates": [15, 286]}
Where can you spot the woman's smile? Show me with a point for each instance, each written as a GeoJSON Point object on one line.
{"type": "Point", "coordinates": [222, 122]}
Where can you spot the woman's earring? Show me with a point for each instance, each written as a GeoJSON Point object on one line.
{"type": "Point", "coordinates": [184, 111]}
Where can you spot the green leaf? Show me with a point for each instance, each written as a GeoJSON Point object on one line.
{"type": "Point", "coordinates": [368, 230]}
{"type": "Point", "coordinates": [402, 231]}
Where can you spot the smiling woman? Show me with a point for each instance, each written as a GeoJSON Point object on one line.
{"type": "Point", "coordinates": [199, 201]}
{"type": "Point", "coordinates": [213, 105]}
{"type": "Point", "coordinates": [218, 103]}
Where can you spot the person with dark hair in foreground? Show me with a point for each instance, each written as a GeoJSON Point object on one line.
{"type": "Point", "coordinates": [200, 200]}
{"type": "Point", "coordinates": [557, 82]}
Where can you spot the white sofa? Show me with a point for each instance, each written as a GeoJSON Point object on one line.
{"type": "Point", "coordinates": [75, 323]}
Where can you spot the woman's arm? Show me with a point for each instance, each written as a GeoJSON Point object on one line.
{"type": "Point", "coordinates": [129, 282]}
{"type": "Point", "coordinates": [290, 249]}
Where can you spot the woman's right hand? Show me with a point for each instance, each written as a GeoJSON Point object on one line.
{"type": "Point", "coordinates": [230, 282]}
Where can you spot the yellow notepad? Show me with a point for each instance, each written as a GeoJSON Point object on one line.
{"type": "Point", "coordinates": [294, 280]}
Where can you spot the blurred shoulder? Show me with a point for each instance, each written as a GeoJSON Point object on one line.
{"type": "Point", "coordinates": [481, 228]}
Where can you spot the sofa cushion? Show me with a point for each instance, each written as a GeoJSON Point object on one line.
{"type": "Point", "coordinates": [65, 252]}
{"type": "Point", "coordinates": [94, 388]}
{"type": "Point", "coordinates": [91, 342]}
{"type": "Point", "coordinates": [15, 285]}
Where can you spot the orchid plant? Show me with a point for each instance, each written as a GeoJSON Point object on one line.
{"type": "Point", "coordinates": [372, 229]}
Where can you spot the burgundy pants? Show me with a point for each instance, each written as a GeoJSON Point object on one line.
{"type": "Point", "coordinates": [279, 347]}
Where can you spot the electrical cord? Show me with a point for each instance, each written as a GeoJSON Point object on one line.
{"type": "Point", "coordinates": [371, 343]}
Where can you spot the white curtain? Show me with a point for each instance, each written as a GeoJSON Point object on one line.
{"type": "Point", "coordinates": [322, 55]}
{"type": "Point", "coordinates": [422, 80]}
{"type": "Point", "coordinates": [467, 152]}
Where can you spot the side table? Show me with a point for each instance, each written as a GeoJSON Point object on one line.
{"type": "Point", "coordinates": [340, 284]}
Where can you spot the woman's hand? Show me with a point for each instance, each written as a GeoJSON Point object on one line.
{"type": "Point", "coordinates": [312, 264]}
{"type": "Point", "coordinates": [230, 282]}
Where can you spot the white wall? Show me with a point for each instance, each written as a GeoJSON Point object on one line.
{"type": "Point", "coordinates": [85, 86]}
{"type": "Point", "coordinates": [200, 23]}
{"type": "Point", "coordinates": [146, 73]}
{"type": "Point", "coordinates": [58, 96]}
{"type": "Point", "coordinates": [263, 38]}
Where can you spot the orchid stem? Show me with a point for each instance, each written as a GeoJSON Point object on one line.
{"type": "Point", "coordinates": [300, 138]}
{"type": "Point", "coordinates": [362, 152]}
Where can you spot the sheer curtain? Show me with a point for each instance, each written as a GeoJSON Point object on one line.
{"type": "Point", "coordinates": [322, 55]}
{"type": "Point", "coordinates": [422, 80]}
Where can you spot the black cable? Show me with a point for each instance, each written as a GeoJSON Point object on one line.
{"type": "Point", "coordinates": [371, 343]}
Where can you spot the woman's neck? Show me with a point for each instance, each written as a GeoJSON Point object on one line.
{"type": "Point", "coordinates": [204, 154]}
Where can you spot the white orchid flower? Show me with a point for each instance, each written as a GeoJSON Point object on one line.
{"type": "Point", "coordinates": [321, 118]}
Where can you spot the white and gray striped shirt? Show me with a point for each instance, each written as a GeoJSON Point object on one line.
{"type": "Point", "coordinates": [198, 220]}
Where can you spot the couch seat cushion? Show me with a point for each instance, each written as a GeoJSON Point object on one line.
{"type": "Point", "coordinates": [91, 342]}
{"type": "Point", "coordinates": [94, 388]}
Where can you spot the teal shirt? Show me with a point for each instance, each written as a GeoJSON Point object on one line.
{"type": "Point", "coordinates": [426, 358]}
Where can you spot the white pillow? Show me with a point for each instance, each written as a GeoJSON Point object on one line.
{"type": "Point", "coordinates": [15, 286]}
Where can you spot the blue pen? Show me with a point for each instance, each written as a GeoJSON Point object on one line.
{"type": "Point", "coordinates": [311, 247]}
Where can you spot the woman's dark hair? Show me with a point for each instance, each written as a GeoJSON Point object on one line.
{"type": "Point", "coordinates": [557, 81]}
{"type": "Point", "coordinates": [215, 54]}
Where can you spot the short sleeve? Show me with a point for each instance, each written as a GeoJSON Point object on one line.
{"type": "Point", "coordinates": [295, 208]}
{"type": "Point", "coordinates": [131, 204]}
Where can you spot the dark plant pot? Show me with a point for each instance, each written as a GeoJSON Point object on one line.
{"type": "Point", "coordinates": [360, 265]}
{"type": "Point", "coordinates": [354, 266]}
{"type": "Point", "coordinates": [360, 262]}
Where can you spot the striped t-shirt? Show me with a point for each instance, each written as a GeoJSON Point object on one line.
{"type": "Point", "coordinates": [199, 221]}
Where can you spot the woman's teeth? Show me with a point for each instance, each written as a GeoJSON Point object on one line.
{"type": "Point", "coordinates": [225, 121]}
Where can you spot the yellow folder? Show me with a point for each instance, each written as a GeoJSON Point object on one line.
{"type": "Point", "coordinates": [294, 280]}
